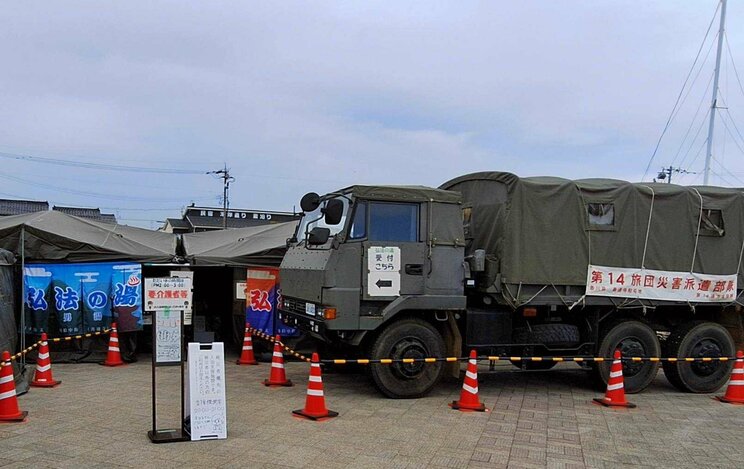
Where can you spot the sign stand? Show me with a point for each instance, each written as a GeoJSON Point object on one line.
{"type": "Point", "coordinates": [168, 298]}
{"type": "Point", "coordinates": [207, 407]}
{"type": "Point", "coordinates": [167, 340]}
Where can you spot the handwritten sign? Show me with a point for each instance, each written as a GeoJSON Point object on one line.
{"type": "Point", "coordinates": [207, 403]}
{"type": "Point", "coordinates": [167, 336]}
{"type": "Point", "coordinates": [168, 292]}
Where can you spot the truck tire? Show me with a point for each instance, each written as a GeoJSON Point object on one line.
{"type": "Point", "coordinates": [550, 335]}
{"type": "Point", "coordinates": [634, 339]}
{"type": "Point", "coordinates": [407, 338]}
{"type": "Point", "coordinates": [698, 339]}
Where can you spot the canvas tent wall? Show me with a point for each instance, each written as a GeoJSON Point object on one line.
{"type": "Point", "coordinates": [8, 330]}
{"type": "Point", "coordinates": [539, 230]}
{"type": "Point", "coordinates": [241, 247]}
{"type": "Point", "coordinates": [56, 237]}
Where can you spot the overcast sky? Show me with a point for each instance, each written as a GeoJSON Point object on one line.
{"type": "Point", "coordinates": [314, 96]}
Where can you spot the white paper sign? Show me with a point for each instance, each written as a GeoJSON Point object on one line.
{"type": "Point", "coordinates": [168, 293]}
{"type": "Point", "coordinates": [383, 265]}
{"type": "Point", "coordinates": [207, 406]}
{"type": "Point", "coordinates": [167, 336]}
{"type": "Point", "coordinates": [188, 311]}
{"type": "Point", "coordinates": [383, 259]}
{"type": "Point", "coordinates": [660, 285]}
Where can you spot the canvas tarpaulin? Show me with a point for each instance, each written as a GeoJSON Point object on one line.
{"type": "Point", "coordinates": [255, 245]}
{"type": "Point", "coordinates": [538, 231]}
{"type": "Point", "coordinates": [54, 236]}
{"type": "Point", "coordinates": [8, 330]}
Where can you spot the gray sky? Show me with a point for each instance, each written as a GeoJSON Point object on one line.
{"type": "Point", "coordinates": [301, 96]}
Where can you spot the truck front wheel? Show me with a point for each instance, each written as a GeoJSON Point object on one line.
{"type": "Point", "coordinates": [634, 339]}
{"type": "Point", "coordinates": [408, 338]}
{"type": "Point", "coordinates": [698, 339]}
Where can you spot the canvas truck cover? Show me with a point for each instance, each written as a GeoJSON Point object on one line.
{"type": "Point", "coordinates": [547, 230]}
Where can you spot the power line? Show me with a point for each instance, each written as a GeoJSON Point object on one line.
{"type": "Point", "coordinates": [224, 174]}
{"type": "Point", "coordinates": [679, 96]}
{"type": "Point", "coordinates": [692, 122]}
{"type": "Point", "coordinates": [101, 166]}
{"type": "Point", "coordinates": [82, 193]}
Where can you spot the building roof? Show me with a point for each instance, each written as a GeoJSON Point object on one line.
{"type": "Point", "coordinates": [89, 213]}
{"type": "Point", "coordinates": [18, 207]}
{"type": "Point", "coordinates": [178, 223]}
{"type": "Point", "coordinates": [216, 222]}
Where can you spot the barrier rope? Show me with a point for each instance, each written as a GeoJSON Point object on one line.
{"type": "Point", "coordinates": [491, 358]}
{"type": "Point", "coordinates": [54, 339]}
{"type": "Point", "coordinates": [272, 339]}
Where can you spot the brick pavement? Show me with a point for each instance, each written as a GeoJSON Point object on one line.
{"type": "Point", "coordinates": [99, 417]}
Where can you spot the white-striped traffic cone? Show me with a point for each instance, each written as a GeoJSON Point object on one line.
{"type": "Point", "coordinates": [277, 377]}
{"type": "Point", "coordinates": [315, 408]}
{"type": "Point", "coordinates": [246, 355]}
{"type": "Point", "coordinates": [615, 395]}
{"type": "Point", "coordinates": [113, 358]}
{"type": "Point", "coordinates": [469, 400]}
{"type": "Point", "coordinates": [43, 375]}
{"type": "Point", "coordinates": [735, 390]}
{"type": "Point", "coordinates": [9, 411]}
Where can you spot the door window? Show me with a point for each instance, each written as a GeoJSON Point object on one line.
{"type": "Point", "coordinates": [393, 222]}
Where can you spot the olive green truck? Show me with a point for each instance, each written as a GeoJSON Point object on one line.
{"type": "Point", "coordinates": [511, 266]}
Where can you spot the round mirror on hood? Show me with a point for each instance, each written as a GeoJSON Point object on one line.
{"type": "Point", "coordinates": [309, 202]}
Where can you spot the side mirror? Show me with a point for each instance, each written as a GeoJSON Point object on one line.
{"type": "Point", "coordinates": [318, 236]}
{"type": "Point", "coordinates": [333, 211]}
{"type": "Point", "coordinates": [309, 202]}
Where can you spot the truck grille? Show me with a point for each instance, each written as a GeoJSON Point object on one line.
{"type": "Point", "coordinates": [292, 305]}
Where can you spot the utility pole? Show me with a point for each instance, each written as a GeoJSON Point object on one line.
{"type": "Point", "coordinates": [224, 174]}
{"type": "Point", "coordinates": [709, 154]}
{"type": "Point", "coordinates": [666, 173]}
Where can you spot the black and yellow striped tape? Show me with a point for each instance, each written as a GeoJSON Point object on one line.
{"type": "Point", "coordinates": [54, 339]}
{"type": "Point", "coordinates": [490, 358]}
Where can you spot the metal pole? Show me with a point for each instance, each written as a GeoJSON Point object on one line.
{"type": "Point", "coordinates": [709, 154]}
{"type": "Point", "coordinates": [224, 198]}
{"type": "Point", "coordinates": [23, 293]}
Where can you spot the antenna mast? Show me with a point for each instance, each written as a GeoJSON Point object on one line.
{"type": "Point", "coordinates": [713, 104]}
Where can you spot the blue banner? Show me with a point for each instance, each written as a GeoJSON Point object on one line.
{"type": "Point", "coordinates": [82, 297]}
{"type": "Point", "coordinates": [262, 295]}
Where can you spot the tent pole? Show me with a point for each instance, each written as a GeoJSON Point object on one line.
{"type": "Point", "coordinates": [23, 293]}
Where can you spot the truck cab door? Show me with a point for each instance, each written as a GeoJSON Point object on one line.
{"type": "Point", "coordinates": [394, 256]}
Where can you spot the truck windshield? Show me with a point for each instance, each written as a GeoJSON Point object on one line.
{"type": "Point", "coordinates": [315, 218]}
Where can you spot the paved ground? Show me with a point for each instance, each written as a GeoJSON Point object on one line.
{"type": "Point", "coordinates": [99, 417]}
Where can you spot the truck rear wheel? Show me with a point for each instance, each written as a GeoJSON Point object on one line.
{"type": "Point", "coordinates": [408, 338]}
{"type": "Point", "coordinates": [634, 339]}
{"type": "Point", "coordinates": [698, 339]}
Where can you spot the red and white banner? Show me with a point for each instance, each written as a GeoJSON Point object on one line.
{"type": "Point", "coordinates": [660, 285]}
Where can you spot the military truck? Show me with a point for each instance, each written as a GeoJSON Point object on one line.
{"type": "Point", "coordinates": [511, 266]}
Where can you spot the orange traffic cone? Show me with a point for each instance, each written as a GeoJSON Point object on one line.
{"type": "Point", "coordinates": [43, 375]}
{"type": "Point", "coordinates": [113, 358]}
{"type": "Point", "coordinates": [615, 395]}
{"type": "Point", "coordinates": [315, 408]}
{"type": "Point", "coordinates": [735, 389]}
{"type": "Point", "coordinates": [246, 356]}
{"type": "Point", "coordinates": [277, 376]}
{"type": "Point", "coordinates": [469, 395]}
{"type": "Point", "coordinates": [9, 411]}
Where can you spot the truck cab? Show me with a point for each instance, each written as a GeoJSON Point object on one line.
{"type": "Point", "coordinates": [380, 269]}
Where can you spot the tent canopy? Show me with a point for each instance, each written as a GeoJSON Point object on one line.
{"type": "Point", "coordinates": [55, 236]}
{"type": "Point", "coordinates": [255, 245]}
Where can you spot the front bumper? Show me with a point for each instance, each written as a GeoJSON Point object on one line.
{"type": "Point", "coordinates": [303, 315]}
